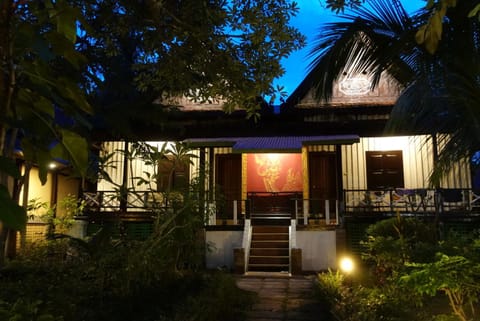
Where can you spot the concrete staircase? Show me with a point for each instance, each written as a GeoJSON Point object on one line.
{"type": "Point", "coordinates": [271, 219]}
{"type": "Point", "coordinates": [269, 247]}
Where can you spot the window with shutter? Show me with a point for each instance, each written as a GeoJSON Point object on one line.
{"type": "Point", "coordinates": [172, 175]}
{"type": "Point", "coordinates": [384, 169]}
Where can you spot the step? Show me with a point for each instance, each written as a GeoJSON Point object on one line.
{"type": "Point", "coordinates": [270, 221]}
{"type": "Point", "coordinates": [270, 236]}
{"type": "Point", "coordinates": [268, 251]}
{"type": "Point", "coordinates": [269, 244]}
{"type": "Point", "coordinates": [268, 267]}
{"type": "Point", "coordinates": [272, 214]}
{"type": "Point", "coordinates": [269, 260]}
{"type": "Point", "coordinates": [270, 229]}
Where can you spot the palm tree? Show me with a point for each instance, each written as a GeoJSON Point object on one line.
{"type": "Point", "coordinates": [441, 94]}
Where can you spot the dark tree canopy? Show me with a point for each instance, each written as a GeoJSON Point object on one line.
{"type": "Point", "coordinates": [66, 62]}
{"type": "Point", "coordinates": [429, 33]}
{"type": "Point", "coordinates": [144, 50]}
{"type": "Point", "coordinates": [441, 87]}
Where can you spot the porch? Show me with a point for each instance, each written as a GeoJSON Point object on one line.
{"type": "Point", "coordinates": [317, 230]}
{"type": "Point", "coordinates": [306, 212]}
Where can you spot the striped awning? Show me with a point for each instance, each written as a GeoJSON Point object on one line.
{"type": "Point", "coordinates": [272, 144]}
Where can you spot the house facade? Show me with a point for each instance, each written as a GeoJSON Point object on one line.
{"type": "Point", "coordinates": [290, 192]}
{"type": "Point", "coordinates": [285, 193]}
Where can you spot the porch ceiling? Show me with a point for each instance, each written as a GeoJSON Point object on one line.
{"type": "Point", "coordinates": [282, 144]}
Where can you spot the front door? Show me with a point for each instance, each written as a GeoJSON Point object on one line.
{"type": "Point", "coordinates": [228, 181]}
{"type": "Point", "coordinates": [322, 170]}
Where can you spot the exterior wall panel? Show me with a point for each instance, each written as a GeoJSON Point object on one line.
{"type": "Point", "coordinates": [116, 170]}
{"type": "Point", "coordinates": [354, 167]}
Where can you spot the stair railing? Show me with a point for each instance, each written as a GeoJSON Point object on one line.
{"type": "Point", "coordinates": [246, 241]}
{"type": "Point", "coordinates": [292, 241]}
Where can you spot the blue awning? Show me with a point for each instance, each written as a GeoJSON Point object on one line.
{"type": "Point", "coordinates": [280, 144]}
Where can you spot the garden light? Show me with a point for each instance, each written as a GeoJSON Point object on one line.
{"type": "Point", "coordinates": [346, 265]}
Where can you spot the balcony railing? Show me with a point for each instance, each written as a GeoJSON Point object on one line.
{"type": "Point", "coordinates": [327, 211]}
{"type": "Point", "coordinates": [412, 201]}
{"type": "Point", "coordinates": [218, 212]}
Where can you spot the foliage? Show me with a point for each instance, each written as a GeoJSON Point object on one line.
{"type": "Point", "coordinates": [393, 242]}
{"type": "Point", "coordinates": [407, 257]}
{"type": "Point", "coordinates": [153, 53]}
{"type": "Point", "coordinates": [455, 276]}
{"type": "Point", "coordinates": [439, 92]}
{"type": "Point", "coordinates": [41, 104]}
{"type": "Point", "coordinates": [220, 299]}
{"type": "Point", "coordinates": [124, 54]}
{"type": "Point", "coordinates": [70, 206]}
{"type": "Point", "coordinates": [351, 301]}
{"type": "Point", "coordinates": [22, 310]}
{"type": "Point", "coordinates": [117, 281]}
{"type": "Point", "coordinates": [428, 34]}
{"type": "Point", "coordinates": [329, 284]}
{"type": "Point", "coordinates": [178, 215]}
{"type": "Point", "coordinates": [340, 5]}
{"type": "Point", "coordinates": [35, 86]}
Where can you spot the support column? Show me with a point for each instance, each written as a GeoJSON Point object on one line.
{"type": "Point", "coordinates": [123, 190]}
{"type": "Point", "coordinates": [202, 177]}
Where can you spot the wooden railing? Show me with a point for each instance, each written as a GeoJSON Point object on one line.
{"type": "Point", "coordinates": [412, 201]}
{"type": "Point", "coordinates": [328, 211]}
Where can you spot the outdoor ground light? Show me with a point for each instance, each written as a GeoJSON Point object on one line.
{"type": "Point", "coordinates": [346, 265]}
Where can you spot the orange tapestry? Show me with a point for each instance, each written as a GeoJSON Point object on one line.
{"type": "Point", "coordinates": [274, 172]}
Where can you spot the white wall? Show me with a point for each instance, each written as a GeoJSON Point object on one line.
{"type": "Point", "coordinates": [417, 159]}
{"type": "Point", "coordinates": [220, 245]}
{"type": "Point", "coordinates": [319, 249]}
{"type": "Point", "coordinates": [417, 152]}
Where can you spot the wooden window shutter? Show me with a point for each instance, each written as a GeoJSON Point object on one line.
{"type": "Point", "coordinates": [384, 169]}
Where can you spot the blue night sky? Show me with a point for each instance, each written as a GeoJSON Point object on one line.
{"type": "Point", "coordinates": [309, 20]}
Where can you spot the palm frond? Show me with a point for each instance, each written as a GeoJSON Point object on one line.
{"type": "Point", "coordinates": [372, 39]}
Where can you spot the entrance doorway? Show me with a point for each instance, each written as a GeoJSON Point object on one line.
{"type": "Point", "coordinates": [323, 185]}
{"type": "Point", "coordinates": [228, 181]}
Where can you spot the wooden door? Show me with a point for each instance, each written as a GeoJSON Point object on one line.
{"type": "Point", "coordinates": [322, 171]}
{"type": "Point", "coordinates": [228, 181]}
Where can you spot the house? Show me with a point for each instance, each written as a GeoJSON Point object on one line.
{"type": "Point", "coordinates": [287, 192]}
{"type": "Point", "coordinates": [41, 199]}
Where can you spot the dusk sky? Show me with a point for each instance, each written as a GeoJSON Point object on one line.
{"type": "Point", "coordinates": [309, 20]}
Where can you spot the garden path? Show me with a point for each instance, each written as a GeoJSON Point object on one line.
{"type": "Point", "coordinates": [282, 298]}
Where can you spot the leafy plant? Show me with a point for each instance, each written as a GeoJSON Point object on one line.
{"type": "Point", "coordinates": [25, 310]}
{"type": "Point", "coordinates": [455, 276]}
{"type": "Point", "coordinates": [348, 301]}
{"type": "Point", "coordinates": [393, 242]}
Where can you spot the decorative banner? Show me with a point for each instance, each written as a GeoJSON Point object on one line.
{"type": "Point", "coordinates": [274, 172]}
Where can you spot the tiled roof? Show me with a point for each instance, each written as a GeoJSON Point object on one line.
{"type": "Point", "coordinates": [270, 144]}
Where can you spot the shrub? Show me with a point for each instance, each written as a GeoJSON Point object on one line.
{"type": "Point", "coordinates": [350, 301]}
{"type": "Point", "coordinates": [393, 242]}
{"type": "Point", "coordinates": [123, 281]}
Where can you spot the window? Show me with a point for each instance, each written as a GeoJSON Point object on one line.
{"type": "Point", "coordinates": [384, 169]}
{"type": "Point", "coordinates": [172, 175]}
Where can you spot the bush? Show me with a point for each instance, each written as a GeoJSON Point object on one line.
{"type": "Point", "coordinates": [350, 301]}
{"type": "Point", "coordinates": [393, 242]}
{"type": "Point", "coordinates": [124, 281]}
{"type": "Point", "coordinates": [415, 276]}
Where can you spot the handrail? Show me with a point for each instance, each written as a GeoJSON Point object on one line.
{"type": "Point", "coordinates": [412, 200]}
{"type": "Point", "coordinates": [246, 241]}
{"type": "Point", "coordinates": [292, 244]}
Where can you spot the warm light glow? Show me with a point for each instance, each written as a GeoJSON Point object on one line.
{"type": "Point", "coordinates": [52, 165]}
{"type": "Point", "coordinates": [391, 143]}
{"type": "Point", "coordinates": [273, 157]}
{"type": "Point", "coordinates": [346, 265]}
